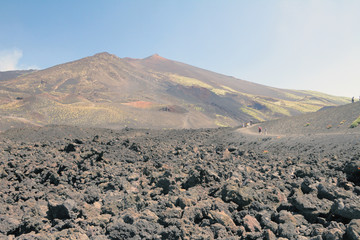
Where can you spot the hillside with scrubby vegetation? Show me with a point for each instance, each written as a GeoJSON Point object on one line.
{"type": "Point", "coordinates": [107, 91]}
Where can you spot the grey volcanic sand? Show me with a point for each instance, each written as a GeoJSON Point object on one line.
{"type": "Point", "coordinates": [61, 182]}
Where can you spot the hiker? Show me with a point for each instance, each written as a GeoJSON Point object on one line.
{"type": "Point", "coordinates": [352, 100]}
{"type": "Point", "coordinates": [259, 130]}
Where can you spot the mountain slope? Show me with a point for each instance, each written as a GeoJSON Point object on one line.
{"type": "Point", "coordinates": [13, 74]}
{"type": "Point", "coordinates": [334, 120]}
{"type": "Point", "coordinates": [107, 91]}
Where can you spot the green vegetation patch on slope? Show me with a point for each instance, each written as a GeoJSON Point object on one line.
{"type": "Point", "coordinates": [189, 82]}
{"type": "Point", "coordinates": [284, 107]}
{"type": "Point", "coordinates": [324, 96]}
{"type": "Point", "coordinates": [223, 121]}
{"type": "Point", "coordinates": [256, 114]}
{"type": "Point", "coordinates": [82, 115]}
{"type": "Point", "coordinates": [302, 107]}
{"type": "Point", "coordinates": [229, 89]}
{"type": "Point", "coordinates": [275, 108]}
{"type": "Point", "coordinates": [11, 106]}
{"type": "Point", "coordinates": [280, 106]}
{"type": "Point", "coordinates": [54, 112]}
{"type": "Point", "coordinates": [355, 123]}
{"type": "Point", "coordinates": [292, 96]}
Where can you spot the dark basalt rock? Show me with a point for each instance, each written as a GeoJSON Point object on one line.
{"type": "Point", "coordinates": [9, 225]}
{"type": "Point", "coordinates": [239, 195]}
{"type": "Point", "coordinates": [62, 209]}
{"type": "Point", "coordinates": [352, 171]}
{"type": "Point", "coordinates": [353, 229]}
{"type": "Point", "coordinates": [310, 206]}
{"type": "Point", "coordinates": [177, 184]}
{"type": "Point", "coordinates": [348, 208]}
{"type": "Point", "coordinates": [70, 148]}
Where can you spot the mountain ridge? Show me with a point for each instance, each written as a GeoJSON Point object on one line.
{"type": "Point", "coordinates": [6, 75]}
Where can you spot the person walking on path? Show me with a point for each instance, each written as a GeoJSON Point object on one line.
{"type": "Point", "coordinates": [260, 130]}
{"type": "Point", "coordinates": [352, 100]}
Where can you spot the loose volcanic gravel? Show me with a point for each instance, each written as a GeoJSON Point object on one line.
{"type": "Point", "coordinates": [61, 182]}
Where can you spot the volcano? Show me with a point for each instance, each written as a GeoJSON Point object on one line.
{"type": "Point", "coordinates": [107, 91]}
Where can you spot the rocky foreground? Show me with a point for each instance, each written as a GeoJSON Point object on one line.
{"type": "Point", "coordinates": [70, 183]}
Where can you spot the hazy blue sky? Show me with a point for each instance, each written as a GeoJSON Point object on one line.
{"type": "Point", "coordinates": [296, 44]}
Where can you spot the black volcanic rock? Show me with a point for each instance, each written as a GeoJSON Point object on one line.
{"type": "Point", "coordinates": [176, 184]}
{"type": "Point", "coordinates": [353, 229]}
{"type": "Point", "coordinates": [239, 195]}
{"type": "Point", "coordinates": [348, 208]}
{"type": "Point", "coordinates": [352, 170]}
{"type": "Point", "coordinates": [62, 209]}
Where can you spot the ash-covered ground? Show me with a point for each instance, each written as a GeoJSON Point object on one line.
{"type": "Point", "coordinates": [62, 182]}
